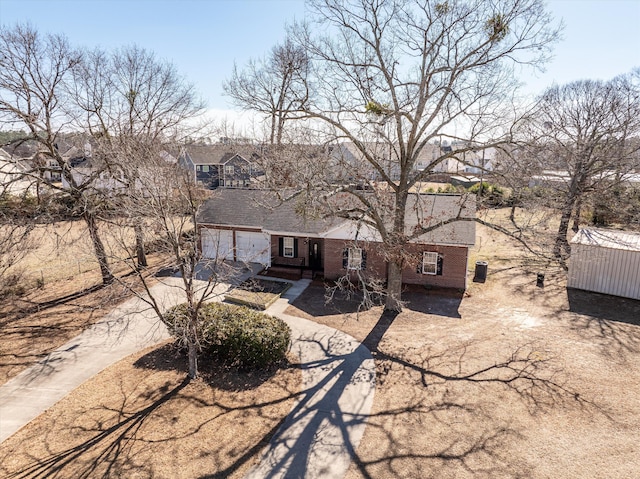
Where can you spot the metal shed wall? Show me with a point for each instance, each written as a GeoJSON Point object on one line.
{"type": "Point", "coordinates": [605, 270]}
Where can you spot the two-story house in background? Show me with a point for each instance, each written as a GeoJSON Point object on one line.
{"type": "Point", "coordinates": [221, 165]}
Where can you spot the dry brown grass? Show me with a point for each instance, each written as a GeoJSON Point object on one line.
{"type": "Point", "coordinates": [509, 381]}
{"type": "Point", "coordinates": [69, 298]}
{"type": "Point", "coordinates": [141, 419]}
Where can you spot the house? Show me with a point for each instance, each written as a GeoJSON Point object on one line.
{"type": "Point", "coordinates": [34, 160]}
{"type": "Point", "coordinates": [605, 261]}
{"type": "Point", "coordinates": [257, 226]}
{"type": "Point", "coordinates": [222, 165]}
{"type": "Point", "coordinates": [14, 176]}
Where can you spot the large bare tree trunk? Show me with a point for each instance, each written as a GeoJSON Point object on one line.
{"type": "Point", "coordinates": [394, 287]}
{"type": "Point", "coordinates": [576, 216]}
{"type": "Point", "coordinates": [98, 246]}
{"type": "Point", "coordinates": [561, 247]}
{"type": "Point", "coordinates": [140, 253]}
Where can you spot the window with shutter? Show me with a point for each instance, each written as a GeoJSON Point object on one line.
{"type": "Point", "coordinates": [288, 247]}
{"type": "Point", "coordinates": [354, 258]}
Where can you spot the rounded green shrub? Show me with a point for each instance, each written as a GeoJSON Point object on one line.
{"type": "Point", "coordinates": [489, 194]}
{"type": "Point", "coordinates": [236, 335]}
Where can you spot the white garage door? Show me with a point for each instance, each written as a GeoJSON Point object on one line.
{"type": "Point", "coordinates": [253, 247]}
{"type": "Point", "coordinates": [217, 243]}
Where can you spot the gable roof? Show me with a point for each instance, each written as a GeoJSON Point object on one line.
{"type": "Point", "coordinates": [218, 154]}
{"type": "Point", "coordinates": [260, 209]}
{"type": "Point", "coordinates": [268, 211]}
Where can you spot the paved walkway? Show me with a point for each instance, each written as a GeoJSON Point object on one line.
{"type": "Point", "coordinates": [320, 435]}
{"type": "Point", "coordinates": [317, 439]}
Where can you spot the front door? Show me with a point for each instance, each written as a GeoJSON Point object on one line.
{"type": "Point", "coordinates": [315, 254]}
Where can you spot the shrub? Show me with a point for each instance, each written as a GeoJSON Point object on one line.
{"type": "Point", "coordinates": [491, 195]}
{"type": "Point", "coordinates": [235, 335]}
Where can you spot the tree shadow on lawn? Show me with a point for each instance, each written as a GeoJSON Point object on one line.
{"type": "Point", "coordinates": [612, 320]}
{"type": "Point", "coordinates": [317, 303]}
{"type": "Point", "coordinates": [217, 375]}
{"type": "Point", "coordinates": [525, 372]}
{"type": "Point", "coordinates": [528, 372]}
{"type": "Point", "coordinates": [109, 448]}
{"type": "Point", "coordinates": [116, 439]}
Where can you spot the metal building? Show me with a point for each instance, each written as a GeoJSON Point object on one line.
{"type": "Point", "coordinates": [605, 261]}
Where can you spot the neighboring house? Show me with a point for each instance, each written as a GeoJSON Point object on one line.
{"type": "Point", "coordinates": [221, 165]}
{"type": "Point", "coordinates": [254, 226]}
{"type": "Point", "coordinates": [14, 179]}
{"type": "Point", "coordinates": [466, 162]}
{"type": "Point", "coordinates": [605, 261]}
{"type": "Point", "coordinates": [85, 168]}
{"type": "Point", "coordinates": [35, 160]}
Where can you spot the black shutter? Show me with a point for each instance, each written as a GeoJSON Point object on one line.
{"type": "Point", "coordinates": [439, 273]}
{"type": "Point", "coordinates": [295, 247]}
{"type": "Point", "coordinates": [419, 268]}
{"type": "Point", "coordinates": [363, 263]}
{"type": "Point", "coordinates": [345, 258]}
{"type": "Point", "coordinates": [280, 246]}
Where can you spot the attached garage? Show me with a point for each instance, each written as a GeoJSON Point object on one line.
{"type": "Point", "coordinates": [253, 247]}
{"type": "Point", "coordinates": [248, 247]}
{"type": "Point", "coordinates": [217, 243]}
{"type": "Point", "coordinates": [606, 261]}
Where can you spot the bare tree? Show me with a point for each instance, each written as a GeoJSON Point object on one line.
{"type": "Point", "coordinates": [390, 78]}
{"type": "Point", "coordinates": [169, 200]}
{"type": "Point", "coordinates": [35, 72]}
{"type": "Point", "coordinates": [274, 86]}
{"type": "Point", "coordinates": [586, 131]}
{"type": "Point", "coordinates": [15, 241]}
{"type": "Point", "coordinates": [133, 104]}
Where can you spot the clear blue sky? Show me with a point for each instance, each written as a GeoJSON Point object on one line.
{"type": "Point", "coordinates": [204, 37]}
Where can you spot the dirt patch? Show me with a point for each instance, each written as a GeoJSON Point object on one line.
{"type": "Point", "coordinates": [510, 380]}
{"type": "Point", "coordinates": [257, 293]}
{"type": "Point", "coordinates": [140, 418]}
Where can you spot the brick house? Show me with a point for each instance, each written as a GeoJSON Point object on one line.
{"type": "Point", "coordinates": [256, 226]}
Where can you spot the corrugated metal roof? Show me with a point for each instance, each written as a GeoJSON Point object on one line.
{"type": "Point", "coordinates": [614, 239]}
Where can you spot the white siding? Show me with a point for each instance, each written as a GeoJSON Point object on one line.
{"type": "Point", "coordinates": [253, 247]}
{"type": "Point", "coordinates": [605, 270]}
{"type": "Point", "coordinates": [217, 244]}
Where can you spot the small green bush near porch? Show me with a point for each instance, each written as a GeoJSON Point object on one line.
{"type": "Point", "coordinates": [235, 335]}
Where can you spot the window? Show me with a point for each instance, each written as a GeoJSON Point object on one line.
{"type": "Point", "coordinates": [355, 258]}
{"type": "Point", "coordinates": [429, 262]}
{"type": "Point", "coordinates": [229, 170]}
{"type": "Point", "coordinates": [205, 169]}
{"type": "Point", "coordinates": [199, 168]}
{"type": "Point", "coordinates": [287, 247]}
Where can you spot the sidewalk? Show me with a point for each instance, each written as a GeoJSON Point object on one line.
{"type": "Point", "coordinates": [317, 439]}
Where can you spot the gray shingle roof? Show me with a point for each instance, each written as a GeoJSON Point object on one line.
{"type": "Point", "coordinates": [260, 209]}
{"type": "Point", "coordinates": [219, 154]}
{"type": "Point", "coordinates": [267, 210]}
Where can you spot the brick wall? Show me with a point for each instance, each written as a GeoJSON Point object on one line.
{"type": "Point", "coordinates": [303, 253]}
{"type": "Point", "coordinates": [454, 264]}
